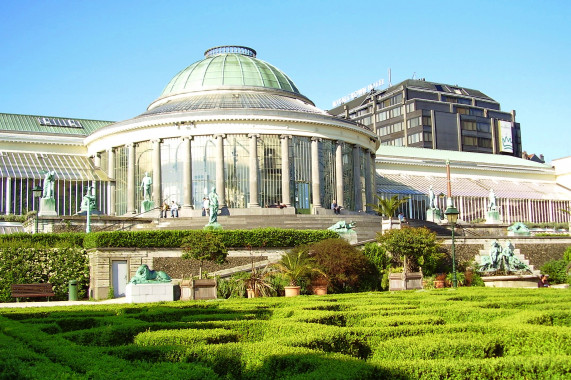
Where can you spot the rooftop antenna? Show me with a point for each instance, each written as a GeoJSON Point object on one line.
{"type": "Point", "coordinates": [390, 83]}
{"type": "Point", "coordinates": [413, 75]}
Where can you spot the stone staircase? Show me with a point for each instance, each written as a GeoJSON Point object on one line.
{"type": "Point", "coordinates": [366, 225]}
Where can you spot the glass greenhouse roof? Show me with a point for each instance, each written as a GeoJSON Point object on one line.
{"type": "Point", "coordinates": [31, 165]}
{"type": "Point", "coordinates": [236, 100]}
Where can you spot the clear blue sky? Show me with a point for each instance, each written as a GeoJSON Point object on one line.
{"type": "Point", "coordinates": [109, 60]}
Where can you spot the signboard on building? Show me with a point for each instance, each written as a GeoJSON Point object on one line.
{"type": "Point", "coordinates": [506, 142]}
{"type": "Point", "coordinates": [359, 92]}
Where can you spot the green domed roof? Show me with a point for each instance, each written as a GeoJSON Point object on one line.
{"type": "Point", "coordinates": [229, 66]}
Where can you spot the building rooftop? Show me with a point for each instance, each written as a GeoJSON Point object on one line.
{"type": "Point", "coordinates": [414, 83]}
{"type": "Point", "coordinates": [49, 124]}
{"type": "Point", "coordinates": [228, 66]}
{"type": "Point", "coordinates": [439, 156]}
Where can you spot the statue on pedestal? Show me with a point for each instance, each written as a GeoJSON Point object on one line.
{"type": "Point", "coordinates": [432, 198]}
{"type": "Point", "coordinates": [147, 204]}
{"type": "Point", "coordinates": [492, 201]}
{"type": "Point", "coordinates": [146, 186]}
{"type": "Point", "coordinates": [213, 206]}
{"type": "Point", "coordinates": [48, 188]}
{"type": "Point", "coordinates": [47, 205]}
{"type": "Point", "coordinates": [88, 201]}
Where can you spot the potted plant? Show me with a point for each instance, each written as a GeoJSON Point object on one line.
{"type": "Point", "coordinates": [319, 285]}
{"type": "Point", "coordinates": [388, 208]}
{"type": "Point", "coordinates": [203, 247]}
{"type": "Point", "coordinates": [440, 280]}
{"type": "Point", "coordinates": [413, 246]}
{"type": "Point", "coordinates": [257, 284]}
{"type": "Point", "coordinates": [296, 265]}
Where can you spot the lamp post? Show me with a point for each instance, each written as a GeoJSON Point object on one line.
{"type": "Point", "coordinates": [452, 216]}
{"type": "Point", "coordinates": [37, 193]}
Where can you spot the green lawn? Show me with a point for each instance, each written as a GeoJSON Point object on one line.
{"type": "Point", "coordinates": [469, 333]}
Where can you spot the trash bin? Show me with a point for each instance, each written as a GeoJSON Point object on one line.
{"type": "Point", "coordinates": [73, 290]}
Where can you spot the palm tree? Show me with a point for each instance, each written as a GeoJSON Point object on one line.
{"type": "Point", "coordinates": [388, 206]}
{"type": "Point", "coordinates": [297, 265]}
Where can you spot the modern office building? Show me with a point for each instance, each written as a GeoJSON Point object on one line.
{"type": "Point", "coordinates": [417, 113]}
{"type": "Point", "coordinates": [229, 121]}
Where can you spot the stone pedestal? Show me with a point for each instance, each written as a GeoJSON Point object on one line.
{"type": "Point", "coordinates": [513, 281]}
{"type": "Point", "coordinates": [433, 215]}
{"type": "Point", "coordinates": [349, 235]}
{"type": "Point", "coordinates": [142, 293]}
{"type": "Point", "coordinates": [212, 226]}
{"type": "Point", "coordinates": [47, 207]}
{"type": "Point", "coordinates": [493, 217]}
{"type": "Point", "coordinates": [147, 206]}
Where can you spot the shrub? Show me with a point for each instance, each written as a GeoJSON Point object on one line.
{"type": "Point", "coordinates": [556, 270]}
{"type": "Point", "coordinates": [346, 267]}
{"type": "Point", "coordinates": [415, 245]}
{"type": "Point", "coordinates": [206, 247]}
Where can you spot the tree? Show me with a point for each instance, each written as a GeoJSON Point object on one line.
{"type": "Point", "coordinates": [413, 245]}
{"type": "Point", "coordinates": [388, 206]}
{"type": "Point", "coordinates": [204, 247]}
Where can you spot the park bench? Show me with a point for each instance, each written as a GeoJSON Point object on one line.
{"type": "Point", "coordinates": [32, 290]}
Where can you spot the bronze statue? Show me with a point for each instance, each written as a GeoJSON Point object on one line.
{"type": "Point", "coordinates": [146, 276]}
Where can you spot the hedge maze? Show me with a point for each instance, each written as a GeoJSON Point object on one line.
{"type": "Point", "coordinates": [469, 333]}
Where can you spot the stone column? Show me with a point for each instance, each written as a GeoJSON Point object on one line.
{"type": "Point", "coordinates": [157, 177]}
{"type": "Point", "coordinates": [339, 173]}
{"type": "Point", "coordinates": [253, 202]}
{"type": "Point", "coordinates": [315, 177]}
{"type": "Point", "coordinates": [130, 178]}
{"type": "Point", "coordinates": [9, 195]}
{"type": "Point", "coordinates": [286, 199]}
{"type": "Point", "coordinates": [97, 160]}
{"type": "Point", "coordinates": [368, 181]}
{"type": "Point", "coordinates": [187, 201]}
{"type": "Point", "coordinates": [111, 183]}
{"type": "Point", "coordinates": [357, 178]}
{"type": "Point", "coordinates": [220, 188]}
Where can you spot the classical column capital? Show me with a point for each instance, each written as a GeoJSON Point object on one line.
{"type": "Point", "coordinates": [315, 138]}
{"type": "Point", "coordinates": [286, 136]}
{"type": "Point", "coordinates": [220, 135]}
{"type": "Point", "coordinates": [251, 135]}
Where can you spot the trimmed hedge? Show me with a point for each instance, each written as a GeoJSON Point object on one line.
{"type": "Point", "coordinates": [256, 238]}
{"type": "Point", "coordinates": [468, 333]}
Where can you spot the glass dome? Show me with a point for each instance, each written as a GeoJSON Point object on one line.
{"type": "Point", "coordinates": [229, 66]}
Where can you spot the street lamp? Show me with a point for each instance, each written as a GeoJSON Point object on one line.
{"type": "Point", "coordinates": [452, 216]}
{"type": "Point", "coordinates": [37, 193]}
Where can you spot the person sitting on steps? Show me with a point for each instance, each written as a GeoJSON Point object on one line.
{"type": "Point", "coordinates": [335, 207]}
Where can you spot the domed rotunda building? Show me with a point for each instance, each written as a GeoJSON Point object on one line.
{"type": "Point", "coordinates": [237, 124]}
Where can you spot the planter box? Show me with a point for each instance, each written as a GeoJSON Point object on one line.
{"type": "Point", "coordinates": [205, 289]}
{"type": "Point", "coordinates": [405, 281]}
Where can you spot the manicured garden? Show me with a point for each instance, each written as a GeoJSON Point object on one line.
{"type": "Point", "coordinates": [468, 333]}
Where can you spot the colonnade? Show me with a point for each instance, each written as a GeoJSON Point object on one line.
{"type": "Point", "coordinates": [368, 187]}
